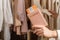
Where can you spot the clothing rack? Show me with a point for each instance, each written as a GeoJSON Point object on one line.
{"type": "Point", "coordinates": [20, 29]}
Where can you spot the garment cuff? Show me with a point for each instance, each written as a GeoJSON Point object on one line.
{"type": "Point", "coordinates": [58, 31]}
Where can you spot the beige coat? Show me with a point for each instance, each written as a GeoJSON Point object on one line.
{"type": "Point", "coordinates": [1, 14]}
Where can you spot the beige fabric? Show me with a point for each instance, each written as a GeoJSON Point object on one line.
{"type": "Point", "coordinates": [1, 14]}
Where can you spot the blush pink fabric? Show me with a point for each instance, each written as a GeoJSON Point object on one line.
{"type": "Point", "coordinates": [22, 14]}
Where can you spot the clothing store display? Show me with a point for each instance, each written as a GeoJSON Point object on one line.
{"type": "Point", "coordinates": [18, 16]}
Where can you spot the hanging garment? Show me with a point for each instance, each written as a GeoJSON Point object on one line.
{"type": "Point", "coordinates": [7, 12]}
{"type": "Point", "coordinates": [22, 15]}
{"type": "Point", "coordinates": [52, 5]}
{"type": "Point", "coordinates": [27, 3]}
{"type": "Point", "coordinates": [17, 26]}
{"type": "Point", "coordinates": [17, 22]}
{"type": "Point", "coordinates": [48, 5]}
{"type": "Point", "coordinates": [57, 4]}
{"type": "Point", "coordinates": [6, 32]}
{"type": "Point", "coordinates": [8, 19]}
{"type": "Point", "coordinates": [47, 16]}
{"type": "Point", "coordinates": [58, 19]}
{"type": "Point", "coordinates": [43, 3]}
{"type": "Point", "coordinates": [54, 20]}
{"type": "Point", "coordinates": [1, 15]}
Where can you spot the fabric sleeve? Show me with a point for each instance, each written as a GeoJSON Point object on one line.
{"type": "Point", "coordinates": [58, 38]}
{"type": "Point", "coordinates": [58, 34]}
